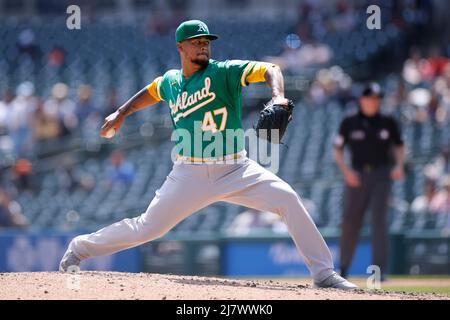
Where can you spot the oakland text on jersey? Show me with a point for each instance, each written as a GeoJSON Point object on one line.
{"type": "Point", "coordinates": [184, 101]}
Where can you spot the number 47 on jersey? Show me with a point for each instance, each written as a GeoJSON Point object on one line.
{"type": "Point", "coordinates": [208, 123]}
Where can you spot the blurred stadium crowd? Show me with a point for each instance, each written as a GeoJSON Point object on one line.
{"type": "Point", "coordinates": [57, 85]}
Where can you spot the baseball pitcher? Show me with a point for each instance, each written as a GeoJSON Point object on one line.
{"type": "Point", "coordinates": [205, 96]}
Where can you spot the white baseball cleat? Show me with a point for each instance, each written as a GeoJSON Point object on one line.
{"type": "Point", "coordinates": [335, 281]}
{"type": "Point", "coordinates": [69, 261]}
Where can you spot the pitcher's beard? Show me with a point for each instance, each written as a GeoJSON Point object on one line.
{"type": "Point", "coordinates": [202, 63]}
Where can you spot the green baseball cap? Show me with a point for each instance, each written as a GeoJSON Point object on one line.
{"type": "Point", "coordinates": [193, 29]}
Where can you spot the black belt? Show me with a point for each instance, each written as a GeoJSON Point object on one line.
{"type": "Point", "coordinates": [369, 167]}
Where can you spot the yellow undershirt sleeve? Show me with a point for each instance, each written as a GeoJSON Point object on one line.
{"type": "Point", "coordinates": [153, 89]}
{"type": "Point", "coordinates": [256, 72]}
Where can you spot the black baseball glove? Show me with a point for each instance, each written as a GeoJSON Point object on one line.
{"type": "Point", "coordinates": [272, 117]}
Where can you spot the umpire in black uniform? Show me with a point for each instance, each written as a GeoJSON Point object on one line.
{"type": "Point", "coordinates": [377, 158]}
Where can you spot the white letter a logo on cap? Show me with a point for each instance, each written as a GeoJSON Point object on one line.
{"type": "Point", "coordinates": [202, 27]}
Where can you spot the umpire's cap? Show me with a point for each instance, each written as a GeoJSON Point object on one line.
{"type": "Point", "coordinates": [372, 89]}
{"type": "Point", "coordinates": [193, 29]}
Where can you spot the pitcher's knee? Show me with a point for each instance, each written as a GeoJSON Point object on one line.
{"type": "Point", "coordinates": [287, 199]}
{"type": "Point", "coordinates": [290, 204]}
{"type": "Point", "coordinates": [290, 196]}
{"type": "Point", "coordinates": [149, 230]}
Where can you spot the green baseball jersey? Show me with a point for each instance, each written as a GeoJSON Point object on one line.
{"type": "Point", "coordinates": [206, 107]}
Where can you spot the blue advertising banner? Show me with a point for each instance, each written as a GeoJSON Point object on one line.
{"type": "Point", "coordinates": [281, 258]}
{"type": "Point", "coordinates": [42, 251]}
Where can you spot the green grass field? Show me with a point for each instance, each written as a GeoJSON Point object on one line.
{"type": "Point", "coordinates": [419, 289]}
{"type": "Point", "coordinates": [418, 284]}
{"type": "Point", "coordinates": [410, 284]}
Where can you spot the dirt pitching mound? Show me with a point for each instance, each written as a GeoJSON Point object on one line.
{"type": "Point", "coordinates": [116, 285]}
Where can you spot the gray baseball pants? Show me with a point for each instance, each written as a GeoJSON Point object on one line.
{"type": "Point", "coordinates": [191, 187]}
